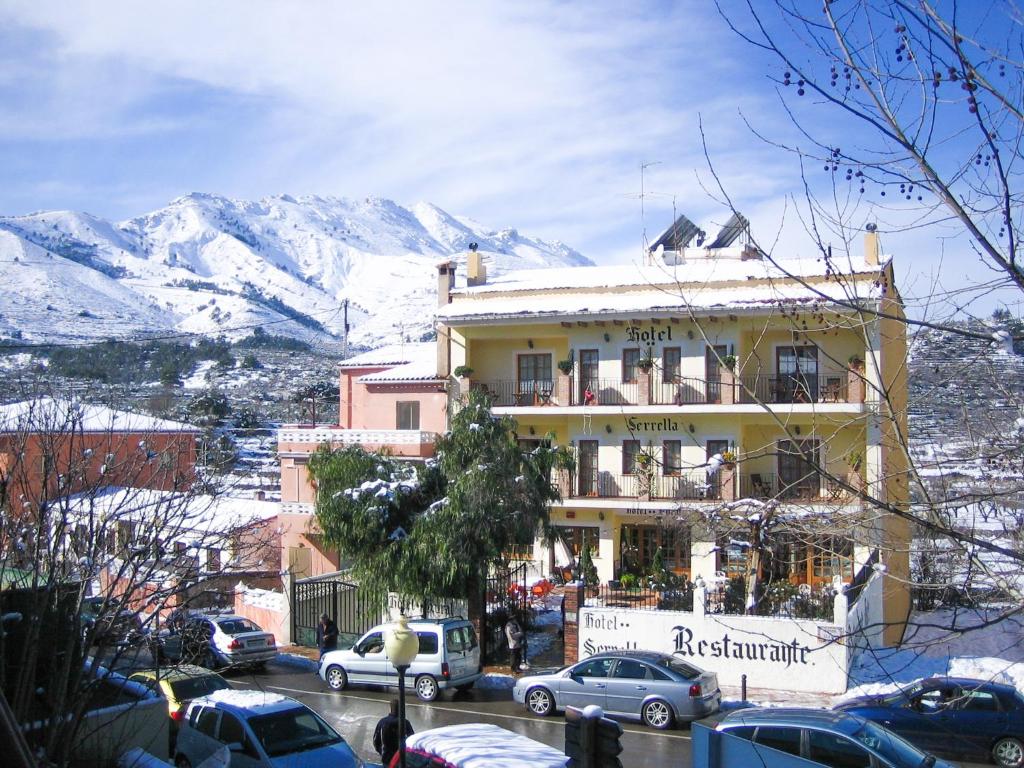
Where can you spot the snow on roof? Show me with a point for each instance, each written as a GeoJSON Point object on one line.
{"type": "Point", "coordinates": [392, 355]}
{"type": "Point", "coordinates": [188, 514]}
{"type": "Point", "coordinates": [482, 745]}
{"type": "Point", "coordinates": [51, 415]}
{"type": "Point", "coordinates": [650, 298]}
{"type": "Point", "coordinates": [252, 700]}
{"type": "Point", "coordinates": [419, 370]}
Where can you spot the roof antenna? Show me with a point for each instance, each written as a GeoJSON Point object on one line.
{"type": "Point", "coordinates": [643, 218]}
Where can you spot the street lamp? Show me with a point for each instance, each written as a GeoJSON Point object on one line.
{"type": "Point", "coordinates": [401, 645]}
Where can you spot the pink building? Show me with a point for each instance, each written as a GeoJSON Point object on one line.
{"type": "Point", "coordinates": [390, 398]}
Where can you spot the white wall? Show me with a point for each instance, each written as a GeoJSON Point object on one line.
{"type": "Point", "coordinates": [782, 654]}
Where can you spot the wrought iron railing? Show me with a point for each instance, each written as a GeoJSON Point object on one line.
{"type": "Point", "coordinates": [811, 487]}
{"type": "Point", "coordinates": [692, 485]}
{"type": "Point", "coordinates": [781, 388]}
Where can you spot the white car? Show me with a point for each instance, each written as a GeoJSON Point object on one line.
{"type": "Point", "coordinates": [216, 641]}
{"type": "Point", "coordinates": [449, 657]}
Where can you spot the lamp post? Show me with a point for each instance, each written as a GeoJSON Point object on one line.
{"type": "Point", "coordinates": [401, 645]}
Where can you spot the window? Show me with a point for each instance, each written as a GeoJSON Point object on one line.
{"type": "Point", "coordinates": [428, 642]}
{"type": "Point", "coordinates": [797, 477]}
{"type": "Point", "coordinates": [576, 537]}
{"type": "Point", "coordinates": [671, 364]}
{"type": "Point", "coordinates": [408, 414]}
{"type": "Point", "coordinates": [461, 639]}
{"type": "Point", "coordinates": [798, 374]}
{"type": "Point", "coordinates": [630, 670]}
{"type": "Point", "coordinates": [212, 560]}
{"type": "Point", "coordinates": [832, 556]}
{"type": "Point", "coordinates": [231, 731]}
{"type": "Point", "coordinates": [630, 365]}
{"type": "Point", "coordinates": [534, 369]}
{"type": "Point", "coordinates": [206, 723]}
{"type": "Point", "coordinates": [641, 542]}
{"type": "Point", "coordinates": [595, 668]}
{"type": "Point", "coordinates": [836, 751]}
{"type": "Point", "coordinates": [588, 476]}
{"type": "Point", "coordinates": [743, 732]}
{"type": "Point", "coordinates": [783, 739]}
{"type": "Point", "coordinates": [978, 701]}
{"type": "Point", "coordinates": [671, 458]}
{"type": "Point", "coordinates": [630, 453]}
{"type": "Point", "coordinates": [373, 643]}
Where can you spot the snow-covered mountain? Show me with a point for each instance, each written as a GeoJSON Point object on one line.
{"type": "Point", "coordinates": [211, 265]}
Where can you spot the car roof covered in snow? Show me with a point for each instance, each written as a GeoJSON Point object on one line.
{"type": "Point", "coordinates": [481, 745]}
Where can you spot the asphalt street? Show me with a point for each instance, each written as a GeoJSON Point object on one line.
{"type": "Point", "coordinates": [355, 712]}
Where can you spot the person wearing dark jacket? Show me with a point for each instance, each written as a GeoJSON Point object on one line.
{"type": "Point", "coordinates": [386, 737]}
{"type": "Point", "coordinates": [326, 635]}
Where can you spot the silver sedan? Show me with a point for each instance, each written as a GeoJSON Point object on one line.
{"type": "Point", "coordinates": [655, 688]}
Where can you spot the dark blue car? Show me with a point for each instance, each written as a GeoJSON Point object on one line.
{"type": "Point", "coordinates": [967, 718]}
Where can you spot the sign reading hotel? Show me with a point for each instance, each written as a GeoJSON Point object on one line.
{"type": "Point", "coordinates": [648, 336]}
{"type": "Point", "coordinates": [784, 654]}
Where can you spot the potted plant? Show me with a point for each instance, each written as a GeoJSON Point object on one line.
{"type": "Point", "coordinates": [627, 581]}
{"type": "Point", "coordinates": [463, 371]}
{"type": "Point", "coordinates": [729, 361]}
{"type": "Point", "coordinates": [646, 363]}
{"type": "Point", "coordinates": [856, 362]}
{"type": "Point", "coordinates": [729, 457]}
{"type": "Point", "coordinates": [565, 366]}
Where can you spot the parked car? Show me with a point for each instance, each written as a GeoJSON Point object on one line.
{"type": "Point", "coordinates": [180, 685]}
{"type": "Point", "coordinates": [215, 641]}
{"type": "Point", "coordinates": [973, 719]}
{"type": "Point", "coordinates": [655, 688]}
{"type": "Point", "coordinates": [825, 737]}
{"type": "Point", "coordinates": [102, 626]}
{"type": "Point", "coordinates": [260, 729]}
{"type": "Point", "coordinates": [449, 657]}
{"type": "Point", "coordinates": [477, 745]}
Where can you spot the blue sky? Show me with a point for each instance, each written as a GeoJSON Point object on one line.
{"type": "Point", "coordinates": [534, 115]}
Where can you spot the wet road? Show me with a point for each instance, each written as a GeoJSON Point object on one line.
{"type": "Point", "coordinates": [355, 713]}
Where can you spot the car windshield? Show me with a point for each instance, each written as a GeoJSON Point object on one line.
{"type": "Point", "coordinates": [237, 626]}
{"type": "Point", "coordinates": [194, 687]}
{"type": "Point", "coordinates": [890, 746]}
{"type": "Point", "coordinates": [293, 730]}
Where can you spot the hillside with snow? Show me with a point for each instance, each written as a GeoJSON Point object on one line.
{"type": "Point", "coordinates": [211, 265]}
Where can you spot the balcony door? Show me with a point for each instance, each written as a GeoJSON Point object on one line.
{"type": "Point", "coordinates": [715, 481]}
{"type": "Point", "coordinates": [533, 382]}
{"type": "Point", "coordinates": [588, 468]}
{"type": "Point", "coordinates": [797, 374]}
{"type": "Point", "coordinates": [798, 479]}
{"type": "Point", "coordinates": [588, 376]}
{"type": "Point", "coordinates": [713, 371]}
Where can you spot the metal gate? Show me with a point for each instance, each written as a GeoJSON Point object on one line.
{"type": "Point", "coordinates": [505, 593]}
{"type": "Point", "coordinates": [339, 599]}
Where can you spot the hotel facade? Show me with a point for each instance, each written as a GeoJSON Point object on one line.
{"type": "Point", "coordinates": [700, 393]}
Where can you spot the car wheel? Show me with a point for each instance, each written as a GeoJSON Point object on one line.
{"type": "Point", "coordinates": [540, 701]}
{"type": "Point", "coordinates": [1008, 752]}
{"type": "Point", "coordinates": [658, 714]}
{"type": "Point", "coordinates": [426, 687]}
{"type": "Point", "coordinates": [337, 678]}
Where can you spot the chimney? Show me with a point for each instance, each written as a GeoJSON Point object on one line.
{"type": "Point", "coordinates": [445, 283]}
{"type": "Point", "coordinates": [871, 246]}
{"type": "Point", "coordinates": [476, 272]}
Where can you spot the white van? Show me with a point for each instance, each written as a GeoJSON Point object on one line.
{"type": "Point", "coordinates": [449, 657]}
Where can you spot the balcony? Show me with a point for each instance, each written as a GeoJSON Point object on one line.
{"type": "Point", "coordinates": [688, 486]}
{"type": "Point", "coordinates": [647, 390]}
{"type": "Point", "coordinates": [810, 488]}
{"type": "Point", "coordinates": [413, 443]}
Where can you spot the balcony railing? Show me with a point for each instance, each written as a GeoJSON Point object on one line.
{"type": "Point", "coordinates": [693, 485]}
{"type": "Point", "coordinates": [812, 487]}
{"type": "Point", "coordinates": [773, 388]}
{"type": "Point", "coordinates": [763, 388]}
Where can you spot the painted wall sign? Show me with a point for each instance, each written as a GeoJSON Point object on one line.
{"type": "Point", "coordinates": [637, 334]}
{"type": "Point", "coordinates": [666, 424]}
{"type": "Point", "coordinates": [785, 654]}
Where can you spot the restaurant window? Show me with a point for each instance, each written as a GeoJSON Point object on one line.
{"type": "Point", "coordinates": [630, 365]}
{"type": "Point", "coordinates": [671, 364]}
{"type": "Point", "coordinates": [408, 414]}
{"type": "Point", "coordinates": [576, 537]}
{"type": "Point", "coordinates": [641, 542]}
{"type": "Point", "coordinates": [630, 454]}
{"type": "Point", "coordinates": [831, 556]}
{"type": "Point", "coordinates": [671, 460]}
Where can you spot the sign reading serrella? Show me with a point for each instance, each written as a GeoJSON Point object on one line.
{"type": "Point", "coordinates": [767, 650]}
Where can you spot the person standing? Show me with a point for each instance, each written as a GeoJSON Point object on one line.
{"type": "Point", "coordinates": [387, 736]}
{"type": "Point", "coordinates": [516, 639]}
{"type": "Point", "coordinates": [326, 635]}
